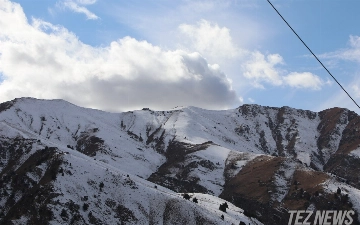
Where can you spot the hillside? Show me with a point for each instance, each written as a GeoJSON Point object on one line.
{"type": "Point", "coordinates": [61, 163]}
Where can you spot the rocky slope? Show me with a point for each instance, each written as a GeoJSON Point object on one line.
{"type": "Point", "coordinates": [60, 163]}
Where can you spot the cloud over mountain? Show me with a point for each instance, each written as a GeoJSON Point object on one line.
{"type": "Point", "coordinates": [43, 60]}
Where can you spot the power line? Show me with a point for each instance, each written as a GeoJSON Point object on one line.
{"type": "Point", "coordinates": [313, 53]}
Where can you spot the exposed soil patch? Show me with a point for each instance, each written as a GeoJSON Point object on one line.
{"type": "Point", "coordinates": [307, 189]}
{"type": "Point", "coordinates": [350, 138]}
{"type": "Point", "coordinates": [346, 167]}
{"type": "Point", "coordinates": [252, 187]}
{"type": "Point", "coordinates": [254, 181]}
{"type": "Point", "coordinates": [304, 185]}
{"type": "Point", "coordinates": [329, 119]}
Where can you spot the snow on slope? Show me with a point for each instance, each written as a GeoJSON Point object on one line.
{"type": "Point", "coordinates": [214, 165]}
{"type": "Point", "coordinates": [131, 198]}
{"type": "Point", "coordinates": [211, 169]}
{"type": "Point", "coordinates": [110, 180]}
{"type": "Point", "coordinates": [306, 138]}
{"type": "Point", "coordinates": [60, 123]}
{"type": "Point", "coordinates": [282, 181]}
{"type": "Point", "coordinates": [250, 128]}
{"type": "Point", "coordinates": [332, 185]}
{"type": "Point", "coordinates": [220, 143]}
{"type": "Point", "coordinates": [335, 136]}
{"type": "Point", "coordinates": [137, 141]}
{"type": "Point", "coordinates": [89, 191]}
{"type": "Point", "coordinates": [356, 152]}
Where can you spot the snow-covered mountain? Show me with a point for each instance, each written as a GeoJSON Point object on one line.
{"type": "Point", "coordinates": [63, 164]}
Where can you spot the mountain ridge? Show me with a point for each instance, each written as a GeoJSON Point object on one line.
{"type": "Point", "coordinates": [226, 153]}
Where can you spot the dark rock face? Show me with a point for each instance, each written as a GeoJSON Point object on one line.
{"type": "Point", "coordinates": [346, 167]}
{"type": "Point", "coordinates": [25, 196]}
{"type": "Point", "coordinates": [254, 189]}
{"type": "Point", "coordinates": [177, 153]}
{"type": "Point", "coordinates": [330, 118]}
{"type": "Point", "coordinates": [282, 123]}
{"type": "Point", "coordinates": [6, 105]}
{"type": "Point", "coordinates": [266, 186]}
{"type": "Point", "coordinates": [89, 144]}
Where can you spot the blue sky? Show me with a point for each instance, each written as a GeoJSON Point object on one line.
{"type": "Point", "coordinates": [120, 55]}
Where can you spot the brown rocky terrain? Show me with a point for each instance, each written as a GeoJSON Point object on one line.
{"type": "Point", "coordinates": [264, 160]}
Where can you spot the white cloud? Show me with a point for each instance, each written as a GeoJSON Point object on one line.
{"type": "Point", "coordinates": [86, 2]}
{"type": "Point", "coordinates": [210, 40]}
{"type": "Point", "coordinates": [262, 69]}
{"type": "Point", "coordinates": [303, 80]}
{"type": "Point", "coordinates": [251, 100]}
{"type": "Point", "coordinates": [352, 86]}
{"type": "Point", "coordinates": [46, 61]}
{"type": "Point", "coordinates": [356, 90]}
{"type": "Point", "coordinates": [339, 98]}
{"type": "Point", "coordinates": [75, 7]}
{"type": "Point", "coordinates": [352, 53]}
{"type": "Point", "coordinates": [161, 24]}
{"type": "Point", "coordinates": [241, 99]}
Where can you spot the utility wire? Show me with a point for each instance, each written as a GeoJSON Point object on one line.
{"type": "Point", "coordinates": [313, 54]}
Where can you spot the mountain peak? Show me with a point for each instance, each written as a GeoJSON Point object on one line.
{"type": "Point", "coordinates": [258, 158]}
